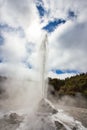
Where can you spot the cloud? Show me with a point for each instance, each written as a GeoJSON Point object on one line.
{"type": "Point", "coordinates": [13, 49]}
{"type": "Point", "coordinates": [21, 13]}
{"type": "Point", "coordinates": [18, 56]}
{"type": "Point", "coordinates": [20, 31]}
{"type": "Point", "coordinates": [60, 9]}
{"type": "Point", "coordinates": [60, 76]}
{"type": "Point", "coordinates": [18, 12]}
{"type": "Point", "coordinates": [68, 47]}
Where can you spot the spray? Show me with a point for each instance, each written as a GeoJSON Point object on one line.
{"type": "Point", "coordinates": [43, 54]}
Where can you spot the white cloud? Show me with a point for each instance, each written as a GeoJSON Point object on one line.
{"type": "Point", "coordinates": [60, 8]}
{"type": "Point", "coordinates": [68, 47]}
{"type": "Point", "coordinates": [13, 49]}
{"type": "Point", "coordinates": [19, 13]}
{"type": "Point", "coordinates": [22, 13]}
{"type": "Point", "coordinates": [60, 76]}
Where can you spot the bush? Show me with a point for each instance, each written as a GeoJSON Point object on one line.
{"type": "Point", "coordinates": [70, 86]}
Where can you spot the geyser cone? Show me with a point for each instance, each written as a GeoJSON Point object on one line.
{"type": "Point", "coordinates": [43, 118]}
{"type": "Point", "coordinates": [45, 106]}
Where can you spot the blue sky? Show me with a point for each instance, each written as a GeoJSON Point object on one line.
{"type": "Point", "coordinates": [51, 26]}
{"type": "Point", "coordinates": [65, 71]}
{"type": "Point", "coordinates": [41, 10]}
{"type": "Point", "coordinates": [22, 26]}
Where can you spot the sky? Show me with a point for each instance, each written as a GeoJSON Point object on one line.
{"type": "Point", "coordinates": [23, 24]}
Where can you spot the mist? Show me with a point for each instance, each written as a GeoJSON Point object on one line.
{"type": "Point", "coordinates": [19, 94]}
{"type": "Point", "coordinates": [65, 100]}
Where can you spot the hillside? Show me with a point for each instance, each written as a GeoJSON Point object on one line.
{"type": "Point", "coordinates": [70, 86]}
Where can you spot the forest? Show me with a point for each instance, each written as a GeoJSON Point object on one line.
{"type": "Point", "coordinates": [69, 86]}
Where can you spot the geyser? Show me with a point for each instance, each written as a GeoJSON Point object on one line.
{"type": "Point", "coordinates": [43, 56]}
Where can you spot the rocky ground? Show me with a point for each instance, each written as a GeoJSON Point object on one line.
{"type": "Point", "coordinates": [79, 114]}
{"type": "Point", "coordinates": [47, 117]}
{"type": "Point", "coordinates": [10, 121]}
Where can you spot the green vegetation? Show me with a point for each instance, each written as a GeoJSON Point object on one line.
{"type": "Point", "coordinates": [70, 86]}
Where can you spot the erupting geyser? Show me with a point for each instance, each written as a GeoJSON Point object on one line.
{"type": "Point", "coordinates": [43, 54]}
{"type": "Point", "coordinates": [44, 105]}
{"type": "Point", "coordinates": [45, 116]}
